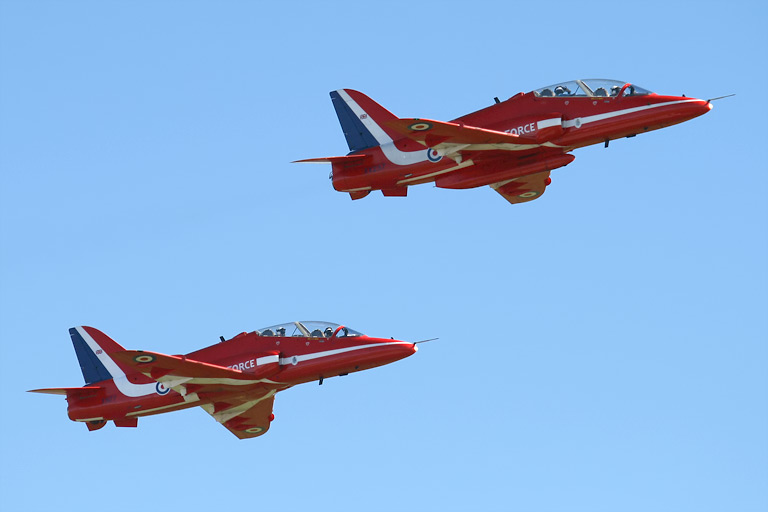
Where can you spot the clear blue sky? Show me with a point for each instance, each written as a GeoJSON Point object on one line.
{"type": "Point", "coordinates": [603, 348]}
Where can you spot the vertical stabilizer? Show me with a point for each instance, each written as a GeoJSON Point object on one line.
{"type": "Point", "coordinates": [362, 119]}
{"type": "Point", "coordinates": [90, 344]}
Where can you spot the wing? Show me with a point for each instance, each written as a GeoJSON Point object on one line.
{"type": "Point", "coordinates": [523, 189]}
{"type": "Point", "coordinates": [238, 400]}
{"type": "Point", "coordinates": [246, 417]}
{"type": "Point", "coordinates": [433, 133]}
{"type": "Point", "coordinates": [169, 369]}
{"type": "Point", "coordinates": [455, 140]}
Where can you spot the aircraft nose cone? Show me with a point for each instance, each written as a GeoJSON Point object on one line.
{"type": "Point", "coordinates": [406, 349]}
{"type": "Point", "coordinates": [403, 349]}
{"type": "Point", "coordinates": [684, 109]}
{"type": "Point", "coordinates": [701, 107]}
{"type": "Point", "coordinates": [389, 351]}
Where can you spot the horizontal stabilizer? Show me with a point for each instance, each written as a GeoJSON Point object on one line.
{"type": "Point", "coordinates": [333, 160]}
{"type": "Point", "coordinates": [78, 393]}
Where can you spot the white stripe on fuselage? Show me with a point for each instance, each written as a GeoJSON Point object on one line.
{"type": "Point", "coordinates": [548, 123]}
{"type": "Point", "coordinates": [617, 113]}
{"type": "Point", "coordinates": [123, 385]}
{"type": "Point", "coordinates": [326, 353]}
{"type": "Point", "coordinates": [274, 358]}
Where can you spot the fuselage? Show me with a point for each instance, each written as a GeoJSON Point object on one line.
{"type": "Point", "coordinates": [275, 362]}
{"type": "Point", "coordinates": [549, 127]}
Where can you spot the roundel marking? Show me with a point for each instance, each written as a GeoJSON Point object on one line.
{"type": "Point", "coordinates": [577, 122]}
{"type": "Point", "coordinates": [295, 360]}
{"type": "Point", "coordinates": [420, 126]}
{"type": "Point", "coordinates": [144, 359]}
{"type": "Point", "coordinates": [433, 156]}
{"type": "Point", "coordinates": [254, 430]}
{"type": "Point", "coordinates": [161, 389]}
{"type": "Point", "coordinates": [528, 194]}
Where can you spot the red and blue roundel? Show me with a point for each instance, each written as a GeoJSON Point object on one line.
{"type": "Point", "coordinates": [433, 155]}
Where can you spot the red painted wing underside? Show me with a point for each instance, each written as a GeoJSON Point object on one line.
{"type": "Point", "coordinates": [526, 188]}
{"type": "Point", "coordinates": [245, 410]}
{"type": "Point", "coordinates": [246, 417]}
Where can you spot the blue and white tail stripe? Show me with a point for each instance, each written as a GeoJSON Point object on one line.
{"type": "Point", "coordinates": [357, 134]}
{"type": "Point", "coordinates": [93, 369]}
{"type": "Point", "coordinates": [363, 131]}
{"type": "Point", "coordinates": [97, 366]}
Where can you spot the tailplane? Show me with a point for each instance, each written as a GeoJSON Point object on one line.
{"type": "Point", "coordinates": [366, 125]}
{"type": "Point", "coordinates": [79, 394]}
{"type": "Point", "coordinates": [105, 380]}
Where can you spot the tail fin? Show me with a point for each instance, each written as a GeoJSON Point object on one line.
{"type": "Point", "coordinates": [362, 119]}
{"type": "Point", "coordinates": [93, 348]}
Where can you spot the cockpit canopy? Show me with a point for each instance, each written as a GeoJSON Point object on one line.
{"type": "Point", "coordinates": [591, 87]}
{"type": "Point", "coordinates": [311, 328]}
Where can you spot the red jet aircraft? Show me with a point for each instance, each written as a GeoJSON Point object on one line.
{"type": "Point", "coordinates": [234, 381]}
{"type": "Point", "coordinates": [511, 146]}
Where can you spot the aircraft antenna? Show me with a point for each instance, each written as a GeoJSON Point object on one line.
{"type": "Point", "coordinates": [721, 97]}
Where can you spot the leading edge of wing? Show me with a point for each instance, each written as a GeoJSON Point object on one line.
{"type": "Point", "coordinates": [157, 366]}
{"type": "Point", "coordinates": [431, 133]}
